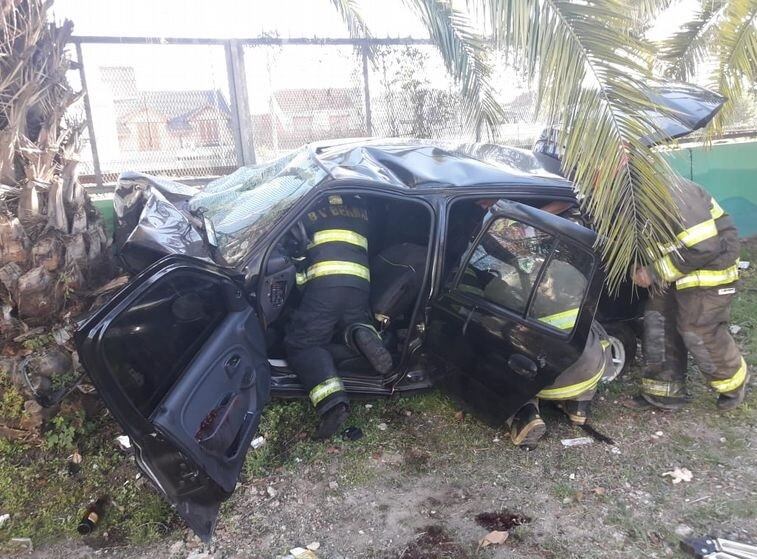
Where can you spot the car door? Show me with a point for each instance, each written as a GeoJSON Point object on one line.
{"type": "Point", "coordinates": [179, 358]}
{"type": "Point", "coordinates": [516, 310]}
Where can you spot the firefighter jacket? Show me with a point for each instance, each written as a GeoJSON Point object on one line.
{"type": "Point", "coordinates": [337, 254]}
{"type": "Point", "coordinates": [707, 250]}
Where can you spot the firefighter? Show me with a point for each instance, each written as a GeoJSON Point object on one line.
{"type": "Point", "coordinates": [556, 304]}
{"type": "Point", "coordinates": [692, 287]}
{"type": "Point", "coordinates": [335, 280]}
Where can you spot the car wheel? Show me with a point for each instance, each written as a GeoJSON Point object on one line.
{"type": "Point", "coordinates": [623, 345]}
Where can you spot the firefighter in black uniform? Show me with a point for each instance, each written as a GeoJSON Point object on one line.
{"type": "Point", "coordinates": [336, 284]}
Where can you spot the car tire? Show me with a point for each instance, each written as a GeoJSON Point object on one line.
{"type": "Point", "coordinates": [624, 340]}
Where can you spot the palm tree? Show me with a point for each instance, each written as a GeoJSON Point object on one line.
{"type": "Point", "coordinates": [591, 66]}
{"type": "Point", "coordinates": [51, 238]}
{"type": "Point", "coordinates": [723, 35]}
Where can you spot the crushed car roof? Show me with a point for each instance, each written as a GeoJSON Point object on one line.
{"type": "Point", "coordinates": [433, 164]}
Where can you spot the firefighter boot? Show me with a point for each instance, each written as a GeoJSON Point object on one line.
{"type": "Point", "coordinates": [368, 342]}
{"type": "Point", "coordinates": [331, 421]}
{"type": "Point", "coordinates": [731, 400]}
{"type": "Point", "coordinates": [648, 402]}
{"type": "Point", "coordinates": [527, 427]}
{"type": "Point", "coordinates": [577, 411]}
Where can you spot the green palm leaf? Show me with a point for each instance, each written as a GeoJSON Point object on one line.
{"type": "Point", "coordinates": [466, 56]}
{"type": "Point", "coordinates": [353, 18]}
{"type": "Point", "coordinates": [591, 73]}
{"type": "Point", "coordinates": [685, 50]}
{"type": "Point", "coordinates": [737, 54]}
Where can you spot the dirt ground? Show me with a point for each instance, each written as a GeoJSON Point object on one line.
{"type": "Point", "coordinates": [414, 485]}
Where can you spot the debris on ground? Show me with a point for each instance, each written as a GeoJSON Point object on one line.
{"type": "Point", "coordinates": [19, 545]}
{"type": "Point", "coordinates": [257, 442]}
{"type": "Point", "coordinates": [352, 434]}
{"type": "Point", "coordinates": [679, 474]}
{"type": "Point", "coordinates": [302, 553]}
{"type": "Point", "coordinates": [734, 329]}
{"type": "Point", "coordinates": [382, 426]}
{"type": "Point", "coordinates": [3, 519]}
{"type": "Point", "coordinates": [124, 443]}
{"type": "Point", "coordinates": [495, 537]}
{"type": "Point", "coordinates": [433, 542]}
{"type": "Point", "coordinates": [271, 492]}
{"type": "Point", "coordinates": [503, 521]}
{"type": "Point", "coordinates": [744, 264]}
{"type": "Point", "coordinates": [577, 441]}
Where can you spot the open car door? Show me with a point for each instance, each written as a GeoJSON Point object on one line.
{"type": "Point", "coordinates": [517, 311]}
{"type": "Point", "coordinates": [179, 358]}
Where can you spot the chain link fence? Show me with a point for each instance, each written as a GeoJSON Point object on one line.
{"type": "Point", "coordinates": [197, 108]}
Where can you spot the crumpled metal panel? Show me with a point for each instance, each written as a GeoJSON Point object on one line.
{"type": "Point", "coordinates": [153, 220]}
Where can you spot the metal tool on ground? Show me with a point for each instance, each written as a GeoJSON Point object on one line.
{"type": "Point", "coordinates": [718, 548]}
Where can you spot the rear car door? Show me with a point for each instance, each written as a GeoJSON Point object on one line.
{"type": "Point", "coordinates": [179, 358]}
{"type": "Point", "coordinates": [516, 310]}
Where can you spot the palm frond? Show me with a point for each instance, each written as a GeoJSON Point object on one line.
{"type": "Point", "coordinates": [466, 56]}
{"type": "Point", "coordinates": [645, 11]}
{"type": "Point", "coordinates": [737, 54]}
{"type": "Point", "coordinates": [353, 18]}
{"type": "Point", "coordinates": [683, 52]}
{"type": "Point", "coordinates": [591, 73]}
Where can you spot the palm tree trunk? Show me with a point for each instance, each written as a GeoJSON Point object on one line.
{"type": "Point", "coordinates": [52, 240]}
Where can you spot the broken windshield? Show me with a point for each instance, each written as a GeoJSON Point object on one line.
{"type": "Point", "coordinates": [248, 203]}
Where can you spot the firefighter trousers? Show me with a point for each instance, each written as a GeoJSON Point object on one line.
{"type": "Point", "coordinates": [321, 312]}
{"type": "Point", "coordinates": [693, 320]}
{"type": "Point", "coordinates": [576, 386]}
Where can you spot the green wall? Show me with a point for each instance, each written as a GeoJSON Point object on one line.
{"type": "Point", "coordinates": [728, 170]}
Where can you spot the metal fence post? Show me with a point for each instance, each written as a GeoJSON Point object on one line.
{"type": "Point", "coordinates": [88, 113]}
{"type": "Point", "coordinates": [367, 93]}
{"type": "Point", "coordinates": [240, 103]}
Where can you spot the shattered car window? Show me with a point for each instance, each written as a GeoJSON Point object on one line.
{"type": "Point", "coordinates": [248, 203]}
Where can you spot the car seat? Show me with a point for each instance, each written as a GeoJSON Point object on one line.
{"type": "Point", "coordinates": [396, 278]}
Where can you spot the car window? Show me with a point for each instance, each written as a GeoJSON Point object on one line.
{"type": "Point", "coordinates": [505, 268]}
{"type": "Point", "coordinates": [505, 264]}
{"type": "Point", "coordinates": [148, 345]}
{"type": "Point", "coordinates": [248, 203]}
{"type": "Point", "coordinates": [561, 289]}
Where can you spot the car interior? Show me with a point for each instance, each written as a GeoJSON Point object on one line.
{"type": "Point", "coordinates": [398, 246]}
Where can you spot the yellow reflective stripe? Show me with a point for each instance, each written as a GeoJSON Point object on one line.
{"type": "Point", "coordinates": [334, 268]}
{"type": "Point", "coordinates": [325, 389]}
{"type": "Point", "coordinates": [698, 233]}
{"type": "Point", "coordinates": [655, 387]}
{"type": "Point", "coordinates": [716, 211]}
{"type": "Point", "coordinates": [339, 236]}
{"type": "Point", "coordinates": [731, 384]}
{"type": "Point", "coordinates": [571, 391]}
{"type": "Point", "coordinates": [666, 269]}
{"type": "Point", "coordinates": [709, 278]}
{"type": "Point", "coordinates": [604, 343]}
{"type": "Point", "coordinates": [563, 320]}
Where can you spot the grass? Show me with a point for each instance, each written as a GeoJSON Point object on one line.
{"type": "Point", "coordinates": [46, 497]}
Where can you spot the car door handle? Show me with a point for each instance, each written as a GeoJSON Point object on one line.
{"type": "Point", "coordinates": [467, 319]}
{"type": "Point", "coordinates": [231, 364]}
{"type": "Point", "coordinates": [522, 365]}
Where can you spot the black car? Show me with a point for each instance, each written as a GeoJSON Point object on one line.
{"type": "Point", "coordinates": [188, 354]}
{"type": "Point", "coordinates": [475, 289]}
